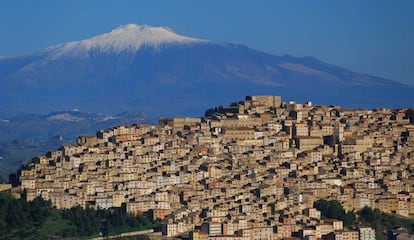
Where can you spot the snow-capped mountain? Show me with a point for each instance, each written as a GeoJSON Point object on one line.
{"type": "Point", "coordinates": [153, 69]}
{"type": "Point", "coordinates": [125, 38]}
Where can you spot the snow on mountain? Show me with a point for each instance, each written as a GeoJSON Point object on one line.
{"type": "Point", "coordinates": [130, 37]}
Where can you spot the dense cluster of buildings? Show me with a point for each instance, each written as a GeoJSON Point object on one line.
{"type": "Point", "coordinates": [252, 170]}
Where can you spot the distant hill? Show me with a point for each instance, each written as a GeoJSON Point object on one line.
{"type": "Point", "coordinates": [156, 71]}
{"type": "Point", "coordinates": [24, 136]}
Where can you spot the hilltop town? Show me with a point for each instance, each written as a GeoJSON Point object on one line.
{"type": "Point", "coordinates": [251, 170]}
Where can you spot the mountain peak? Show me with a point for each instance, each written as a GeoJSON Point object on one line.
{"type": "Point", "coordinates": [129, 37]}
{"type": "Point", "coordinates": [141, 27]}
{"type": "Point", "coordinates": [143, 31]}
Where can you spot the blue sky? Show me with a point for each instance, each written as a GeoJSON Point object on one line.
{"type": "Point", "coordinates": [369, 36]}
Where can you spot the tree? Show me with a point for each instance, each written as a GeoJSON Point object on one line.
{"type": "Point", "coordinates": [40, 210]}
{"type": "Point", "coordinates": [410, 114]}
{"type": "Point", "coordinates": [333, 209]}
{"type": "Point", "coordinates": [210, 112]}
{"type": "Point", "coordinates": [37, 219]}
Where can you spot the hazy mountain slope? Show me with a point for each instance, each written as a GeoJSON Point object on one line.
{"type": "Point", "coordinates": [24, 136]}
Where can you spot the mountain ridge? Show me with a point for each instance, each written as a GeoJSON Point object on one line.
{"type": "Point", "coordinates": [178, 75]}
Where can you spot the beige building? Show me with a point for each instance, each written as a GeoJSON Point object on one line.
{"type": "Point", "coordinates": [304, 143]}
{"type": "Point", "coordinates": [366, 233]}
{"type": "Point", "coordinates": [258, 233]}
{"type": "Point", "coordinates": [268, 101]}
{"type": "Point", "coordinates": [241, 133]}
{"type": "Point", "coordinates": [179, 122]}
